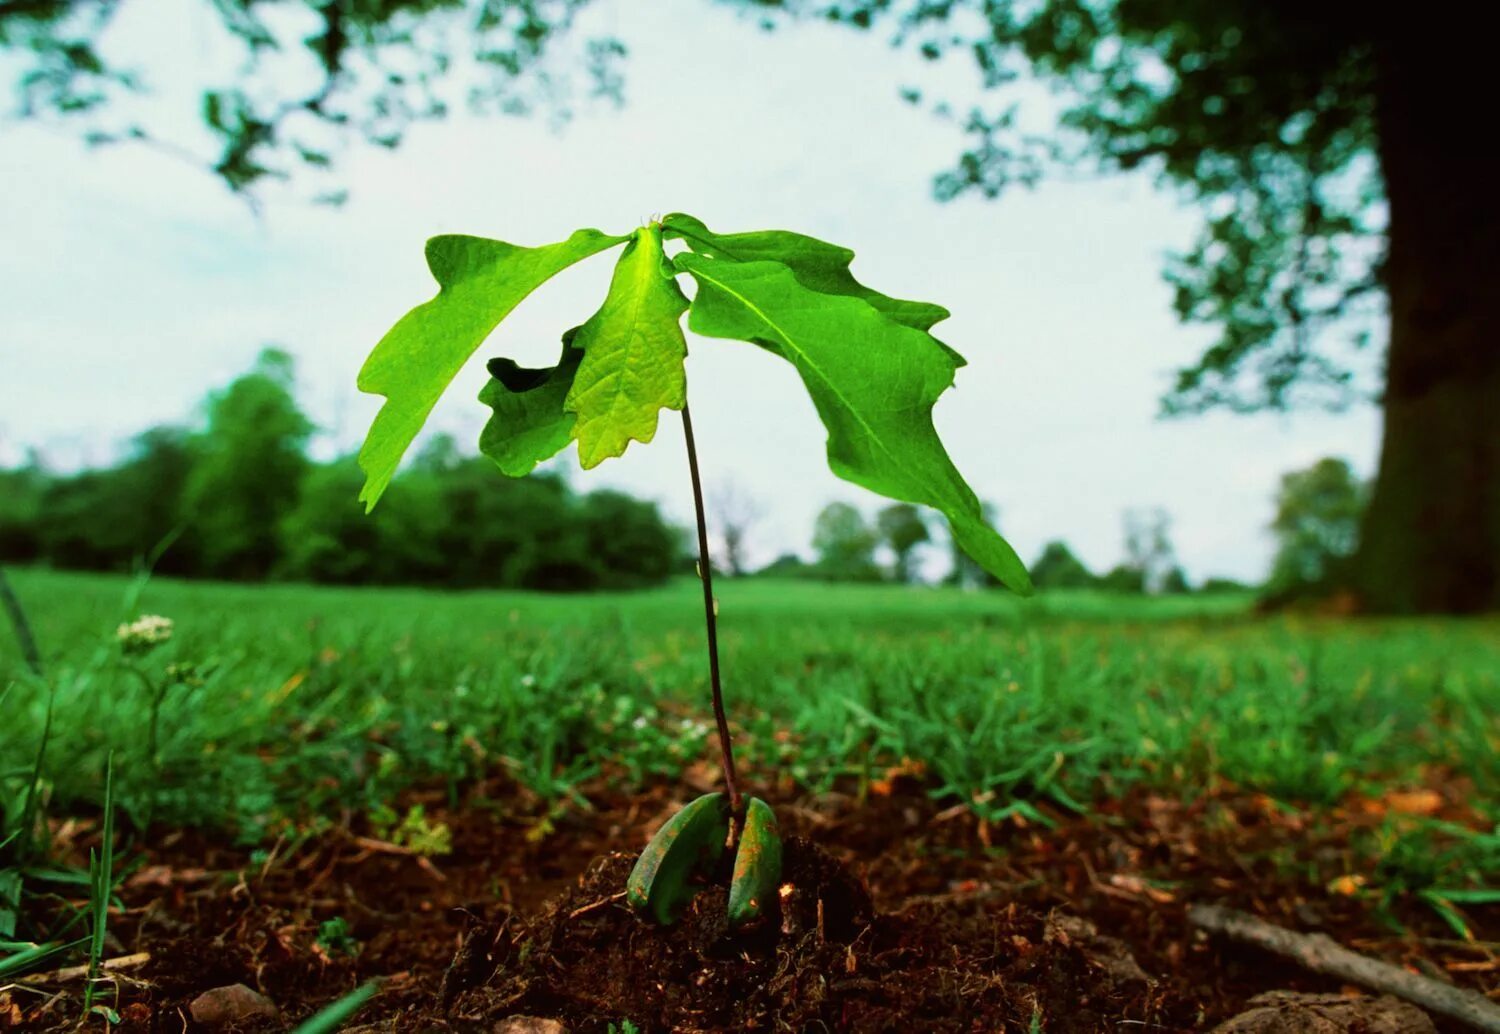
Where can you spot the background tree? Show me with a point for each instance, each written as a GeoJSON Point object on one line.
{"type": "Point", "coordinates": [1058, 568]}
{"type": "Point", "coordinates": [451, 522]}
{"type": "Point", "coordinates": [845, 545]}
{"type": "Point", "coordinates": [112, 518]}
{"type": "Point", "coordinates": [788, 565]}
{"type": "Point", "coordinates": [77, 528]}
{"type": "Point", "coordinates": [1176, 582]}
{"type": "Point", "coordinates": [1339, 153]}
{"type": "Point", "coordinates": [628, 542]}
{"type": "Point", "coordinates": [1123, 578]}
{"type": "Point", "coordinates": [1317, 527]}
{"type": "Point", "coordinates": [250, 472]}
{"type": "Point", "coordinates": [414, 525]}
{"type": "Point", "coordinates": [150, 494]}
{"type": "Point", "coordinates": [1220, 584]}
{"type": "Point", "coordinates": [21, 495]}
{"type": "Point", "coordinates": [902, 528]}
{"type": "Point", "coordinates": [735, 515]}
{"type": "Point", "coordinates": [281, 98]}
{"type": "Point", "coordinates": [323, 538]}
{"type": "Point", "coordinates": [520, 533]}
{"type": "Point", "coordinates": [1148, 550]}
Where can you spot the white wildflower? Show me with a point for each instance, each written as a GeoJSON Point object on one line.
{"type": "Point", "coordinates": [144, 633]}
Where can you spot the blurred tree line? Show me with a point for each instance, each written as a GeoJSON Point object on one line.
{"type": "Point", "coordinates": [847, 548]}
{"type": "Point", "coordinates": [1316, 529]}
{"type": "Point", "coordinates": [238, 498]}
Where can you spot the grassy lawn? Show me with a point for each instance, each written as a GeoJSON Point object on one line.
{"type": "Point", "coordinates": [287, 706]}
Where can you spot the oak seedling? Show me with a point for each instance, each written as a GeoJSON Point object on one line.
{"type": "Point", "coordinates": [870, 363]}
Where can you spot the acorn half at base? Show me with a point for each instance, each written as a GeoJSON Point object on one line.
{"type": "Point", "coordinates": [679, 859]}
{"type": "Point", "coordinates": [757, 866]}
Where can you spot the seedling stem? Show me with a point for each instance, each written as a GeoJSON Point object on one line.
{"type": "Point", "coordinates": [705, 572]}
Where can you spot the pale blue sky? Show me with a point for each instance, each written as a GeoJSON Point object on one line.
{"type": "Point", "coordinates": [130, 283]}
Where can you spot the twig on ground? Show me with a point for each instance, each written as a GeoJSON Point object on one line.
{"type": "Point", "coordinates": [382, 846]}
{"type": "Point", "coordinates": [59, 976]}
{"type": "Point", "coordinates": [1321, 954]}
{"type": "Point", "coordinates": [373, 846]}
{"type": "Point", "coordinates": [425, 864]}
{"type": "Point", "coordinates": [593, 906]}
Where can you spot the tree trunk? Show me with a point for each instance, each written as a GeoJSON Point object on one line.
{"type": "Point", "coordinates": [1431, 536]}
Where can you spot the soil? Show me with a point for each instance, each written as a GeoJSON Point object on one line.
{"type": "Point", "coordinates": [908, 914]}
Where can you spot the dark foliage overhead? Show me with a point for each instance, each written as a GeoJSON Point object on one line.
{"type": "Point", "coordinates": [1262, 112]}
{"type": "Point", "coordinates": [306, 75]}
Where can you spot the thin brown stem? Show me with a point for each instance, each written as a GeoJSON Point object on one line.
{"type": "Point", "coordinates": [705, 572]}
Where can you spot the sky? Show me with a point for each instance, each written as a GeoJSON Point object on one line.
{"type": "Point", "coordinates": [131, 283]}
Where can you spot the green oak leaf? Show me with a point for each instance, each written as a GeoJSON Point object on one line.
{"type": "Point", "coordinates": [480, 281]}
{"type": "Point", "coordinates": [633, 352]}
{"type": "Point", "coordinates": [817, 265]}
{"type": "Point", "coordinates": [529, 424]}
{"type": "Point", "coordinates": [873, 380]}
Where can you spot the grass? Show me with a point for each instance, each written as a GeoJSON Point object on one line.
{"type": "Point", "coordinates": [334, 1016]}
{"type": "Point", "coordinates": [271, 709]}
{"type": "Point", "coordinates": [101, 887]}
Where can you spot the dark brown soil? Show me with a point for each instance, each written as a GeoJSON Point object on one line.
{"type": "Point", "coordinates": [966, 927]}
{"type": "Point", "coordinates": [827, 963]}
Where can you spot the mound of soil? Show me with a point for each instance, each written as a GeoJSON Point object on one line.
{"type": "Point", "coordinates": [825, 961]}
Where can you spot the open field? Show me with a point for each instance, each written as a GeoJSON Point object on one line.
{"type": "Point", "coordinates": [937, 738]}
{"type": "Point", "coordinates": [305, 702]}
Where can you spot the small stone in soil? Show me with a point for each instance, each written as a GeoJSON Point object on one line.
{"type": "Point", "coordinates": [528, 1025]}
{"type": "Point", "coordinates": [1288, 1012]}
{"type": "Point", "coordinates": [234, 1003]}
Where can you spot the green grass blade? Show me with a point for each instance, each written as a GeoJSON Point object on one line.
{"type": "Point", "coordinates": [331, 1017]}
{"type": "Point", "coordinates": [1469, 896]}
{"type": "Point", "coordinates": [28, 813]}
{"type": "Point", "coordinates": [29, 956]}
{"type": "Point", "coordinates": [101, 883]}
